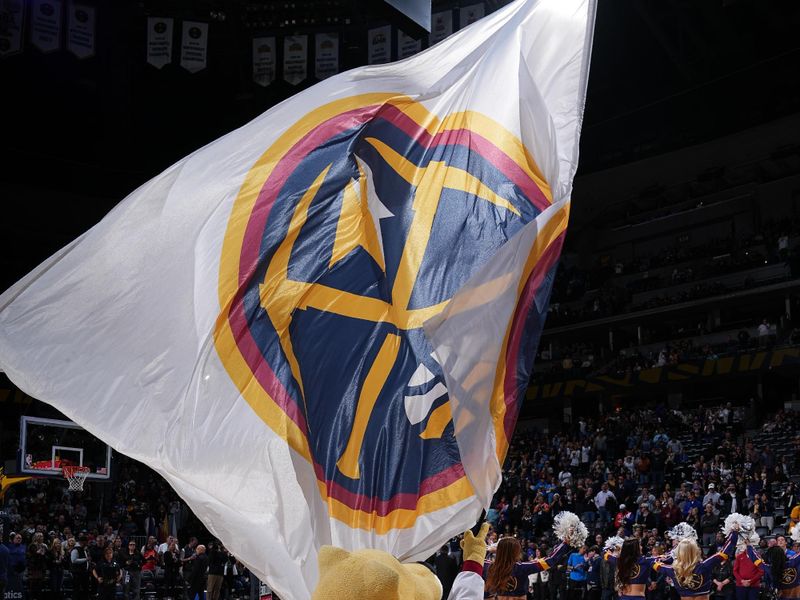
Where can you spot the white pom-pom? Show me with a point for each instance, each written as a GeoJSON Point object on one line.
{"type": "Point", "coordinates": [569, 528]}
{"type": "Point", "coordinates": [682, 531]}
{"type": "Point", "coordinates": [752, 538]}
{"type": "Point", "coordinates": [736, 522]}
{"type": "Point", "coordinates": [796, 533]}
{"type": "Point", "coordinates": [613, 543]}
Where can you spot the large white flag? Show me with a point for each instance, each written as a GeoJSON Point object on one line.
{"type": "Point", "coordinates": [318, 327]}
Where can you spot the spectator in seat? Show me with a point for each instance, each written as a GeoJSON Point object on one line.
{"type": "Point", "coordinates": [624, 520]}
{"type": "Point", "coordinates": [216, 566]}
{"type": "Point", "coordinates": [748, 577]}
{"type": "Point", "coordinates": [108, 574]}
{"type": "Point", "coordinates": [693, 519]}
{"type": "Point", "coordinates": [791, 499]}
{"type": "Point", "coordinates": [781, 542]}
{"type": "Point", "coordinates": [189, 549]}
{"type": "Point", "coordinates": [578, 568]}
{"type": "Point", "coordinates": [670, 514]}
{"type": "Point", "coordinates": [765, 511]}
{"type": "Point", "coordinates": [643, 468]}
{"type": "Point", "coordinates": [79, 565]}
{"type": "Point", "coordinates": [163, 546]}
{"type": "Point", "coordinates": [731, 502]}
{"type": "Point", "coordinates": [150, 555]}
{"type": "Point", "coordinates": [723, 578]}
{"type": "Point", "coordinates": [16, 558]}
{"type": "Point", "coordinates": [763, 333]}
{"type": "Point", "coordinates": [197, 573]}
{"type": "Point", "coordinates": [131, 561]}
{"type": "Point", "coordinates": [601, 500]}
{"type": "Point", "coordinates": [658, 466]}
{"type": "Point", "coordinates": [709, 523]}
{"type": "Point", "coordinates": [692, 503]}
{"type": "Point", "coordinates": [646, 498]}
{"type": "Point", "coordinates": [56, 563]}
{"type": "Point", "coordinates": [629, 464]}
{"type": "Point", "coordinates": [645, 518]}
{"type": "Point", "coordinates": [37, 566]}
{"type": "Point", "coordinates": [172, 566]}
{"type": "Point", "coordinates": [593, 573]}
{"type": "Point", "coordinates": [712, 496]}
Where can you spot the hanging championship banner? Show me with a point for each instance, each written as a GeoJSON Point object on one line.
{"type": "Point", "coordinates": [12, 17]}
{"type": "Point", "coordinates": [470, 14]}
{"type": "Point", "coordinates": [326, 58]}
{"type": "Point", "coordinates": [80, 30]}
{"type": "Point", "coordinates": [264, 60]}
{"type": "Point", "coordinates": [441, 26]}
{"type": "Point", "coordinates": [46, 24]}
{"type": "Point", "coordinates": [406, 45]}
{"type": "Point", "coordinates": [295, 58]}
{"type": "Point", "coordinates": [379, 48]}
{"type": "Point", "coordinates": [194, 46]}
{"type": "Point", "coordinates": [159, 41]}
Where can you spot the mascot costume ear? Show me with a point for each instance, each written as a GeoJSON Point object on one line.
{"type": "Point", "coordinates": [377, 575]}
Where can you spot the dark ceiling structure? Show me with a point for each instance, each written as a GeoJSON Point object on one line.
{"type": "Point", "coordinates": [80, 135]}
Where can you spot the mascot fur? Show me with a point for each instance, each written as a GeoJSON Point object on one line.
{"type": "Point", "coordinates": [374, 574]}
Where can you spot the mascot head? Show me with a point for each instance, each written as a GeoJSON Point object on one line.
{"type": "Point", "coordinates": [372, 574]}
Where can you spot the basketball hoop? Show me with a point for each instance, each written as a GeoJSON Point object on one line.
{"type": "Point", "coordinates": [75, 476]}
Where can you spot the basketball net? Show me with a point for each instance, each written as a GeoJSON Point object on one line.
{"type": "Point", "coordinates": [75, 476]}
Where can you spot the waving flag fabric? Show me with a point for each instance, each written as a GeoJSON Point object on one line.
{"type": "Point", "coordinates": [317, 328]}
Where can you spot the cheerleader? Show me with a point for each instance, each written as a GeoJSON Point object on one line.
{"type": "Point", "coordinates": [691, 577]}
{"type": "Point", "coordinates": [787, 580]}
{"type": "Point", "coordinates": [507, 576]}
{"type": "Point", "coordinates": [632, 569]}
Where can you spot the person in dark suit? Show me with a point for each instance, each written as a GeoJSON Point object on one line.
{"type": "Point", "coordinates": [446, 570]}
{"type": "Point", "coordinates": [198, 574]}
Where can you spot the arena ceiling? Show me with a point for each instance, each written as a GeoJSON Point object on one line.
{"type": "Point", "coordinates": [78, 136]}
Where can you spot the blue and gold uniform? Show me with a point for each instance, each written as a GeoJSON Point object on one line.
{"type": "Point", "coordinates": [788, 582]}
{"type": "Point", "coordinates": [640, 577]}
{"type": "Point", "coordinates": [702, 579]}
{"type": "Point", "coordinates": [518, 584]}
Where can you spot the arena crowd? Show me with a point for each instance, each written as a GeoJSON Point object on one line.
{"type": "Point", "coordinates": [629, 473]}
{"type": "Point", "coordinates": [637, 474]}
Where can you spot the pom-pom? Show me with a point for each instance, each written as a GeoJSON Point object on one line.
{"type": "Point", "coordinates": [569, 528]}
{"type": "Point", "coordinates": [682, 531]}
{"type": "Point", "coordinates": [796, 533]}
{"type": "Point", "coordinates": [613, 543]}
{"type": "Point", "coordinates": [752, 538]}
{"type": "Point", "coordinates": [736, 522]}
{"type": "Point", "coordinates": [746, 527]}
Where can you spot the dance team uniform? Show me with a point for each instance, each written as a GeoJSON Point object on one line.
{"type": "Point", "coordinates": [518, 584]}
{"type": "Point", "coordinates": [788, 582]}
{"type": "Point", "coordinates": [635, 589]}
{"type": "Point", "coordinates": [702, 579]}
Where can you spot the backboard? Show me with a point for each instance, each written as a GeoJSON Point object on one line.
{"type": "Point", "coordinates": [46, 445]}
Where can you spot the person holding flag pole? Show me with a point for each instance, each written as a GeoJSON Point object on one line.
{"type": "Point", "coordinates": [319, 327]}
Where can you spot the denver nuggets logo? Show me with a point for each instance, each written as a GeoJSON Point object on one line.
{"type": "Point", "coordinates": [636, 571]}
{"type": "Point", "coordinates": [354, 228]}
{"type": "Point", "coordinates": [695, 582]}
{"type": "Point", "coordinates": [788, 576]}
